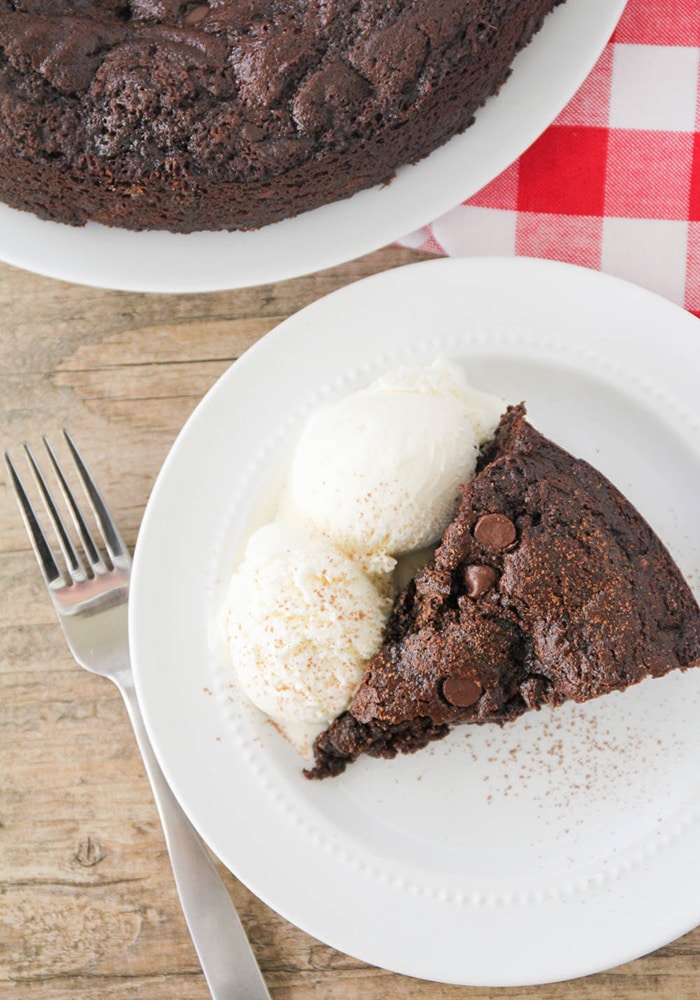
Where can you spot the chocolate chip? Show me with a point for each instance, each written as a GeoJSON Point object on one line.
{"type": "Point", "coordinates": [479, 579]}
{"type": "Point", "coordinates": [196, 14]}
{"type": "Point", "coordinates": [495, 531]}
{"type": "Point", "coordinates": [461, 691]}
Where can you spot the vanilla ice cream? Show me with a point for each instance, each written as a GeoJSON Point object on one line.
{"type": "Point", "coordinates": [374, 476]}
{"type": "Point", "coordinates": [302, 621]}
{"type": "Point", "coordinates": [378, 471]}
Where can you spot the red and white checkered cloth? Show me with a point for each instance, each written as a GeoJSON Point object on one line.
{"type": "Point", "coordinates": [614, 183]}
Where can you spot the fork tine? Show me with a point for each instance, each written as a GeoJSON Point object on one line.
{"type": "Point", "coordinates": [116, 547]}
{"type": "Point", "coordinates": [74, 564]}
{"type": "Point", "coordinates": [49, 567]}
{"type": "Point", "coordinates": [91, 551]}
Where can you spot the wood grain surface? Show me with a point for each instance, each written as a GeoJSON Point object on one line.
{"type": "Point", "coordinates": [88, 907]}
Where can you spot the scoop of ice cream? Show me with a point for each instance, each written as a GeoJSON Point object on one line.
{"type": "Point", "coordinates": [378, 471]}
{"type": "Point", "coordinates": [302, 621]}
{"type": "Point", "coordinates": [446, 378]}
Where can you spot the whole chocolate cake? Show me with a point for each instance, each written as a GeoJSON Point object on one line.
{"type": "Point", "coordinates": [232, 114]}
{"type": "Point", "coordinates": [548, 586]}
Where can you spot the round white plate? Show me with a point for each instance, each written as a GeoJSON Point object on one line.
{"type": "Point", "coordinates": [545, 76]}
{"type": "Point", "coordinates": [556, 847]}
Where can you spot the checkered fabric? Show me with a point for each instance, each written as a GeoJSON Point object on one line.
{"type": "Point", "coordinates": [614, 183]}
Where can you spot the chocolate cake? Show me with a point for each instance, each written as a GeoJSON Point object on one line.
{"type": "Point", "coordinates": [548, 586]}
{"type": "Point", "coordinates": [231, 114]}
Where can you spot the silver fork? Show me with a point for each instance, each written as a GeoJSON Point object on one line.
{"type": "Point", "coordinates": [90, 592]}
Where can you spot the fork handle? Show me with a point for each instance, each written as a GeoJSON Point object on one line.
{"type": "Point", "coordinates": [224, 951]}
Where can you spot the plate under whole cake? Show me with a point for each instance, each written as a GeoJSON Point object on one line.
{"type": "Point", "coordinates": [562, 54]}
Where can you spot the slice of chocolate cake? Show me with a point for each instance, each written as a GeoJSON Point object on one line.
{"type": "Point", "coordinates": [548, 586]}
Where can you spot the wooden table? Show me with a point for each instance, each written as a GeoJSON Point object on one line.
{"type": "Point", "coordinates": [87, 902]}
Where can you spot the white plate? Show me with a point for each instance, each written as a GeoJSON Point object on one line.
{"type": "Point", "coordinates": [546, 75]}
{"type": "Point", "coordinates": [556, 847]}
